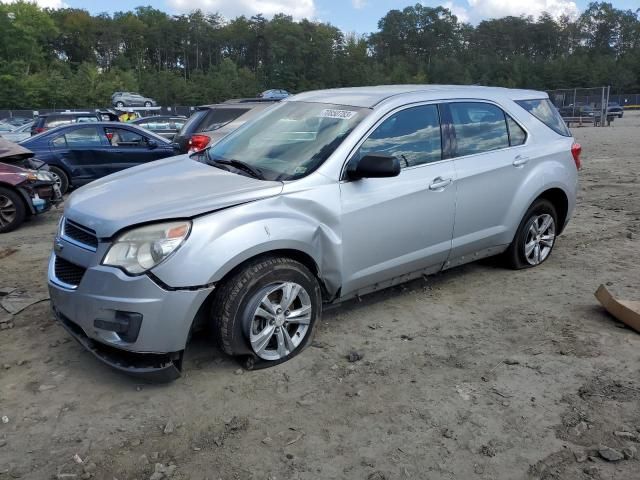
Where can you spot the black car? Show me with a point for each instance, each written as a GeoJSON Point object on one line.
{"type": "Point", "coordinates": [164, 125]}
{"type": "Point", "coordinates": [222, 117]}
{"type": "Point", "coordinates": [82, 152]}
{"type": "Point", "coordinates": [46, 121]}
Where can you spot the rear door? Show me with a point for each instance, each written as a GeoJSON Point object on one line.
{"type": "Point", "coordinates": [491, 161]}
{"type": "Point", "coordinates": [79, 149]}
{"type": "Point", "coordinates": [400, 225]}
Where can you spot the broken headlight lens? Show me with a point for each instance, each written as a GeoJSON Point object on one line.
{"type": "Point", "coordinates": [141, 249]}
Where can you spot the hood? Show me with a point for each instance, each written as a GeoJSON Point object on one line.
{"type": "Point", "coordinates": [177, 187]}
{"type": "Point", "coordinates": [12, 174]}
{"type": "Point", "coordinates": [13, 150]}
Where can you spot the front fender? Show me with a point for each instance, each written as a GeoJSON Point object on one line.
{"type": "Point", "coordinates": [222, 240]}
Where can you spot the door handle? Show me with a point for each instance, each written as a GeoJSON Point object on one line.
{"type": "Point", "coordinates": [520, 161]}
{"type": "Point", "coordinates": [440, 183]}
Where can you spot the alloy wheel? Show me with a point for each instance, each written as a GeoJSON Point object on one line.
{"type": "Point", "coordinates": [7, 211]}
{"type": "Point", "coordinates": [280, 321]}
{"type": "Point", "coordinates": [540, 238]}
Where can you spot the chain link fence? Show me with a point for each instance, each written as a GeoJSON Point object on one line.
{"type": "Point", "coordinates": [583, 106]}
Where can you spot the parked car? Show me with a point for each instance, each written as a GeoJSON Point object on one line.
{"type": "Point", "coordinates": [577, 111]}
{"type": "Point", "coordinates": [131, 99]}
{"type": "Point", "coordinates": [20, 133]}
{"type": "Point", "coordinates": [6, 128]}
{"type": "Point", "coordinates": [274, 94]}
{"type": "Point", "coordinates": [327, 196]}
{"type": "Point", "coordinates": [210, 123]}
{"type": "Point", "coordinates": [80, 153]}
{"type": "Point", "coordinates": [164, 125]}
{"type": "Point", "coordinates": [615, 109]}
{"type": "Point", "coordinates": [14, 154]}
{"type": "Point", "coordinates": [17, 121]}
{"type": "Point", "coordinates": [23, 192]}
{"type": "Point", "coordinates": [46, 121]}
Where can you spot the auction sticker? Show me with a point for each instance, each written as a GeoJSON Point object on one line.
{"type": "Point", "coordinates": [342, 114]}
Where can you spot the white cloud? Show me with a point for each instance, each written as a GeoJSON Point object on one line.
{"type": "Point", "coordinates": [43, 3]}
{"type": "Point", "coordinates": [230, 9]}
{"type": "Point", "coordinates": [500, 8]}
{"type": "Point", "coordinates": [358, 4]}
{"type": "Point", "coordinates": [460, 12]}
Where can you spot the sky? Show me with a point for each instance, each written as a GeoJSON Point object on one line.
{"type": "Point", "coordinates": [360, 16]}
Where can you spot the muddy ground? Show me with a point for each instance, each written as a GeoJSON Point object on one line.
{"type": "Point", "coordinates": [479, 372]}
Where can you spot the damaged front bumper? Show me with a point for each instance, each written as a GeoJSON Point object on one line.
{"type": "Point", "coordinates": [153, 367]}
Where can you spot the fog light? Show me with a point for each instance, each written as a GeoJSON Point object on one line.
{"type": "Point", "coordinates": [125, 324]}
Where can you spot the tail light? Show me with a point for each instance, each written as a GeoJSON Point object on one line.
{"type": "Point", "coordinates": [576, 150]}
{"type": "Point", "coordinates": [40, 129]}
{"type": "Point", "coordinates": [198, 142]}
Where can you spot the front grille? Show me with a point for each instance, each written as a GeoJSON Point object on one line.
{"type": "Point", "coordinates": [80, 234]}
{"type": "Point", "coordinates": [68, 272]}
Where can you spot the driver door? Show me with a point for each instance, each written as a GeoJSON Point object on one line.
{"type": "Point", "coordinates": [400, 225]}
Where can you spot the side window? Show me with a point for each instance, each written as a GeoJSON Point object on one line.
{"type": "Point", "coordinates": [517, 136]}
{"type": "Point", "coordinates": [479, 127]}
{"type": "Point", "coordinates": [59, 142]}
{"type": "Point", "coordinates": [87, 119]}
{"type": "Point", "coordinates": [412, 135]}
{"type": "Point", "coordinates": [82, 137]}
{"type": "Point", "coordinates": [121, 137]}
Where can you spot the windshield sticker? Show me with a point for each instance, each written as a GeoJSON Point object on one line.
{"type": "Point", "coordinates": [299, 170]}
{"type": "Point", "coordinates": [341, 114]}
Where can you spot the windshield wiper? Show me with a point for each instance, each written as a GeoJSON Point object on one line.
{"type": "Point", "coordinates": [240, 165]}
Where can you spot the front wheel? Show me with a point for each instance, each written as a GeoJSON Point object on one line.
{"type": "Point", "coordinates": [12, 210]}
{"type": "Point", "coordinates": [535, 237]}
{"type": "Point", "coordinates": [61, 179]}
{"type": "Point", "coordinates": [268, 311]}
{"type": "Point", "coordinates": [147, 104]}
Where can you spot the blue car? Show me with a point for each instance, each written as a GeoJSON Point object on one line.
{"type": "Point", "coordinates": [80, 153]}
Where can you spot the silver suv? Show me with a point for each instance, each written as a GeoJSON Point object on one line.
{"type": "Point", "coordinates": [131, 99]}
{"type": "Point", "coordinates": [326, 196]}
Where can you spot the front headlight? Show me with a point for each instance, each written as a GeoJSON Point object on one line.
{"type": "Point", "coordinates": [44, 176]}
{"type": "Point", "coordinates": [141, 249]}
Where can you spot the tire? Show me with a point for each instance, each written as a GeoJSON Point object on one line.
{"type": "Point", "coordinates": [243, 324]}
{"type": "Point", "coordinates": [62, 179]}
{"type": "Point", "coordinates": [530, 249]}
{"type": "Point", "coordinates": [13, 211]}
{"type": "Point", "coordinates": [147, 104]}
{"type": "Point", "coordinates": [119, 104]}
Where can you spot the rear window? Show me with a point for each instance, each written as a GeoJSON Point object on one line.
{"type": "Point", "coordinates": [194, 120]}
{"type": "Point", "coordinates": [544, 111]}
{"type": "Point", "coordinates": [219, 117]}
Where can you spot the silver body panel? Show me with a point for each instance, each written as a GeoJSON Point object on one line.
{"type": "Point", "coordinates": [361, 235]}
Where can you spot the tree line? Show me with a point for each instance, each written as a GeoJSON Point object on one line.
{"type": "Point", "coordinates": [71, 58]}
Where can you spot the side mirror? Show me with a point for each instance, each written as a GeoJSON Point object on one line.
{"type": "Point", "coordinates": [152, 144]}
{"type": "Point", "coordinates": [374, 165]}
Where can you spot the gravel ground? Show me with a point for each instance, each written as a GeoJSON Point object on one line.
{"type": "Point", "coordinates": [479, 372]}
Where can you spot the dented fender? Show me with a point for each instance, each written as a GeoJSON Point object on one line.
{"type": "Point", "coordinates": [301, 218]}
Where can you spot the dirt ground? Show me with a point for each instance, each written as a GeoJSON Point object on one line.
{"type": "Point", "coordinates": [479, 372]}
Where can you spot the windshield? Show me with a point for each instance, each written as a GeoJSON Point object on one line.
{"type": "Point", "coordinates": [291, 140]}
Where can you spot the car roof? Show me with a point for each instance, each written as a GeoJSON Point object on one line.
{"type": "Point", "coordinates": [51, 114]}
{"type": "Point", "coordinates": [100, 124]}
{"type": "Point", "coordinates": [369, 97]}
{"type": "Point", "coordinates": [156, 117]}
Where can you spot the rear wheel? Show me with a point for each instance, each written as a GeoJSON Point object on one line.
{"type": "Point", "coordinates": [267, 311]}
{"type": "Point", "coordinates": [61, 178]}
{"type": "Point", "coordinates": [12, 210]}
{"type": "Point", "coordinates": [119, 104]}
{"type": "Point", "coordinates": [536, 236]}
